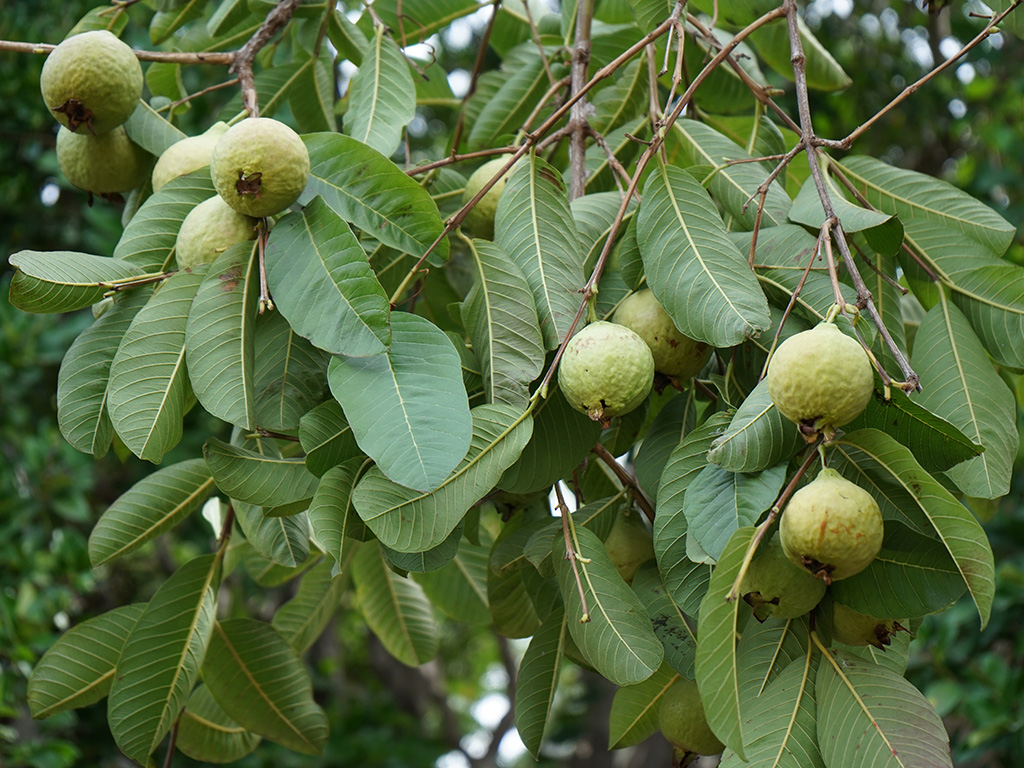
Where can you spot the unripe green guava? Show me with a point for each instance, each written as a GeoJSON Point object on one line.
{"type": "Point", "coordinates": [92, 80]}
{"type": "Point", "coordinates": [606, 371]}
{"type": "Point", "coordinates": [479, 222]}
{"type": "Point", "coordinates": [104, 164]}
{"type": "Point", "coordinates": [259, 166]}
{"type": "Point", "coordinates": [189, 154]}
{"type": "Point", "coordinates": [682, 720]}
{"type": "Point", "coordinates": [820, 379]}
{"type": "Point", "coordinates": [208, 230]}
{"type": "Point", "coordinates": [674, 354]}
{"type": "Point", "coordinates": [854, 628]}
{"type": "Point", "coordinates": [831, 527]}
{"type": "Point", "coordinates": [629, 545]}
{"type": "Point", "coordinates": [774, 586]}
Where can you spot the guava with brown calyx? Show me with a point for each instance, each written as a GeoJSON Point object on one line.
{"type": "Point", "coordinates": [682, 720]}
{"type": "Point", "coordinates": [189, 154]}
{"type": "Point", "coordinates": [775, 587]}
{"type": "Point", "coordinates": [103, 165]}
{"type": "Point", "coordinates": [854, 628]}
{"type": "Point", "coordinates": [675, 354]}
{"type": "Point", "coordinates": [629, 544]}
{"type": "Point", "coordinates": [209, 229]}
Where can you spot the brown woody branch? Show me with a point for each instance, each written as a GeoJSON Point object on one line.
{"type": "Point", "coordinates": [241, 64]}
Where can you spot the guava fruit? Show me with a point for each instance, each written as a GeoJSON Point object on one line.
{"type": "Point", "coordinates": [682, 720]}
{"type": "Point", "coordinates": [854, 628]}
{"type": "Point", "coordinates": [629, 545]}
{"type": "Point", "coordinates": [606, 371]}
{"type": "Point", "coordinates": [259, 166]}
{"type": "Point", "coordinates": [104, 164]}
{"type": "Point", "coordinates": [820, 379]}
{"type": "Point", "coordinates": [189, 154]}
{"type": "Point", "coordinates": [774, 586]}
{"type": "Point", "coordinates": [831, 527]}
{"type": "Point", "coordinates": [674, 354]}
{"type": "Point", "coordinates": [479, 222]}
{"type": "Point", "coordinates": [92, 80]}
{"type": "Point", "coordinates": [209, 229]}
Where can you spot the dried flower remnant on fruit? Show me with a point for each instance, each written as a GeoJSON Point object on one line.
{"type": "Point", "coordinates": [775, 587]}
{"type": "Point", "coordinates": [854, 628]}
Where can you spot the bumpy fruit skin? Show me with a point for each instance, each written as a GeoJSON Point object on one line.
{"type": "Point", "coordinates": [91, 82]}
{"type": "Point", "coordinates": [260, 166]}
{"type": "Point", "coordinates": [774, 586]}
{"type": "Point", "coordinates": [820, 379]}
{"type": "Point", "coordinates": [479, 222]}
{"type": "Point", "coordinates": [629, 545]}
{"type": "Point", "coordinates": [187, 155]}
{"type": "Point", "coordinates": [104, 164]}
{"type": "Point", "coordinates": [682, 721]}
{"type": "Point", "coordinates": [606, 371]}
{"type": "Point", "coordinates": [854, 628]}
{"type": "Point", "coordinates": [831, 527]}
{"type": "Point", "coordinates": [210, 228]}
{"type": "Point", "coordinates": [674, 354]}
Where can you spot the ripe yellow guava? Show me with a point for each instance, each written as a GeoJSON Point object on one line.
{"type": "Point", "coordinates": [774, 586]}
{"type": "Point", "coordinates": [674, 354]}
{"type": "Point", "coordinates": [259, 166]}
{"type": "Point", "coordinates": [104, 164]}
{"type": "Point", "coordinates": [855, 628]}
{"type": "Point", "coordinates": [820, 379]}
{"type": "Point", "coordinates": [629, 545]}
{"type": "Point", "coordinates": [606, 371]}
{"type": "Point", "coordinates": [682, 720]}
{"type": "Point", "coordinates": [92, 80]}
{"type": "Point", "coordinates": [209, 229]}
{"type": "Point", "coordinates": [479, 222]}
{"type": "Point", "coordinates": [187, 155]}
{"type": "Point", "coordinates": [831, 527]}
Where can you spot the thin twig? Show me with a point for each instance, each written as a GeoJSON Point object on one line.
{"type": "Point", "coordinates": [570, 552]}
{"type": "Point", "coordinates": [244, 57]}
{"type": "Point", "coordinates": [478, 65]}
{"type": "Point", "coordinates": [535, 34]}
{"type": "Point", "coordinates": [625, 478]}
{"type": "Point", "coordinates": [169, 57]}
{"type": "Point", "coordinates": [453, 158]}
{"type": "Point", "coordinates": [169, 757]}
{"type": "Point", "coordinates": [210, 89]}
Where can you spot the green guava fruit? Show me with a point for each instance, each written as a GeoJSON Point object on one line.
{"type": "Point", "coordinates": [479, 222]}
{"type": "Point", "coordinates": [774, 586]}
{"type": "Point", "coordinates": [259, 166]}
{"type": "Point", "coordinates": [103, 165]}
{"type": "Point", "coordinates": [187, 155]}
{"type": "Point", "coordinates": [682, 720]}
{"type": "Point", "coordinates": [629, 545]}
{"type": "Point", "coordinates": [606, 371]}
{"type": "Point", "coordinates": [674, 354]}
{"type": "Point", "coordinates": [91, 79]}
{"type": "Point", "coordinates": [831, 527]}
{"type": "Point", "coordinates": [209, 229]}
{"type": "Point", "coordinates": [854, 628]}
{"type": "Point", "coordinates": [820, 379]}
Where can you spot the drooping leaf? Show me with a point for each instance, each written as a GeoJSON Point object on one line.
{"type": "Point", "coordinates": [382, 97]}
{"type": "Point", "coordinates": [506, 111]}
{"type": "Point", "coordinates": [282, 540]}
{"type": "Point", "coordinates": [430, 16]}
{"type": "Point", "coordinates": [151, 130]}
{"type": "Point", "coordinates": [537, 680]}
{"type": "Point", "coordinates": [331, 514]}
{"type": "Point", "coordinates": [207, 734]}
{"type": "Point", "coordinates": [263, 480]}
{"type": "Point", "coordinates": [670, 426]}
{"type": "Point", "coordinates": [312, 96]}
{"type": "Point", "coordinates": [880, 228]}
{"type": "Point", "coordinates": [63, 281]}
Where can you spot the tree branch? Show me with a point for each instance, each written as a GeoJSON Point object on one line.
{"type": "Point", "coordinates": [625, 478]}
{"type": "Point", "coordinates": [244, 56]}
{"type": "Point", "coordinates": [578, 117]}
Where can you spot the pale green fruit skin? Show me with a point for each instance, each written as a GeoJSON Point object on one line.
{"type": "Point", "coordinates": [772, 576]}
{"type": "Point", "coordinates": [606, 371]}
{"type": "Point", "coordinates": [834, 524]}
{"type": "Point", "coordinates": [98, 70]}
{"type": "Point", "coordinates": [820, 379]}
{"type": "Point", "coordinates": [674, 354]}
{"type": "Point", "coordinates": [104, 164]}
{"type": "Point", "coordinates": [682, 720]}
{"type": "Point", "coordinates": [479, 222]}
{"type": "Point", "coordinates": [629, 545]}
{"type": "Point", "coordinates": [260, 145]}
{"type": "Point", "coordinates": [854, 628]}
{"type": "Point", "coordinates": [187, 155]}
{"type": "Point", "coordinates": [210, 228]}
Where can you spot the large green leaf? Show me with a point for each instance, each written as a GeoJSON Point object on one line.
{"type": "Point", "coordinates": [537, 680]}
{"type": "Point", "coordinates": [408, 408]}
{"type": "Point", "coordinates": [62, 281]}
{"type": "Point", "coordinates": [505, 113]}
{"type": "Point", "coordinates": [382, 96]}
{"type": "Point", "coordinates": [758, 436]}
{"type": "Point", "coordinates": [290, 374]}
{"type": "Point", "coordinates": [675, 631]}
{"type": "Point", "coordinates": [696, 272]}
{"type": "Point", "coordinates": [326, 437]}
{"type": "Point", "coordinates": [162, 657]}
{"type": "Point", "coordinates": [312, 96]}
{"type": "Point", "coordinates": [152, 506]}
{"type": "Point", "coordinates": [282, 540]}
{"type": "Point", "coordinates": [302, 619]}
{"type": "Point", "coordinates": [882, 228]}
{"type": "Point", "coordinates": [149, 388]}
{"type": "Point", "coordinates": [410, 521]}
{"type": "Point", "coordinates": [79, 668]}
{"type": "Point", "coordinates": [207, 734]}
{"type": "Point", "coordinates": [255, 478]}
{"type": "Point", "coordinates": [330, 512]}
{"type": "Point", "coordinates": [821, 70]}
{"type": "Point", "coordinates": [634, 713]}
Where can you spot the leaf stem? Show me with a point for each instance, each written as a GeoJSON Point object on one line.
{"type": "Point", "coordinates": [570, 551]}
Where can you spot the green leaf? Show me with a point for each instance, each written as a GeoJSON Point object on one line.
{"type": "Point", "coordinates": [63, 281]}
{"type": "Point", "coordinates": [323, 283]}
{"type": "Point", "coordinates": [697, 273]}
{"type": "Point", "coordinates": [408, 409]}
{"type": "Point", "coordinates": [427, 561]}
{"type": "Point", "coordinates": [326, 437]}
{"type": "Point", "coordinates": [429, 15]}
{"type": "Point", "coordinates": [822, 71]}
{"type": "Point", "coordinates": [409, 521]}
{"type": "Point", "coordinates": [283, 541]}
{"type": "Point", "coordinates": [395, 608]}
{"type": "Point", "coordinates": [150, 130]}
{"type": "Point", "coordinates": [459, 588]}
{"type": "Point", "coordinates": [302, 619]}
{"type": "Point", "coordinates": [613, 631]}
{"type": "Point", "coordinates": [165, 23]}
{"type": "Point", "coordinates": [758, 436]}
{"type": "Point", "coordinates": [312, 96]}
{"type": "Point", "coordinates": [263, 480]}
{"type": "Point", "coordinates": [634, 713]}
{"type": "Point", "coordinates": [768, 647]}
{"type": "Point", "coordinates": [533, 224]}
{"type": "Point", "coordinates": [671, 626]}
{"type": "Point", "coordinates": [78, 669]}
{"type": "Point", "coordinates": [503, 326]}
{"type": "Point", "coordinates": [382, 96]}
{"type": "Point", "coordinates": [260, 682]}
{"type": "Point", "coordinates": [207, 734]}
{"type": "Point", "coordinates": [507, 110]}
{"type": "Point", "coordinates": [290, 374]}
{"type": "Point", "coordinates": [537, 680]}
{"type": "Point", "coordinates": [881, 227]}
{"type": "Point", "coordinates": [162, 656]}
{"type": "Point", "coordinates": [668, 428]}
{"type": "Point", "coordinates": [149, 389]}
{"type": "Point", "coordinates": [331, 514]}
{"type": "Point", "coordinates": [228, 14]}
{"type": "Point", "coordinates": [152, 506]}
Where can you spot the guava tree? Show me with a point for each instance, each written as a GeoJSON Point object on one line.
{"type": "Point", "coordinates": [383, 344]}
